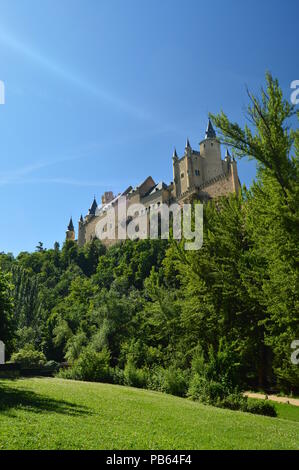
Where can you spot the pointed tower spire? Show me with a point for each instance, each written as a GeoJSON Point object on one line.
{"type": "Point", "coordinates": [93, 208]}
{"type": "Point", "coordinates": [70, 234]}
{"type": "Point", "coordinates": [71, 225]}
{"type": "Point", "coordinates": [188, 146]}
{"type": "Point", "coordinates": [175, 155]}
{"type": "Point", "coordinates": [210, 132]}
{"type": "Point", "coordinates": [227, 155]}
{"type": "Point", "coordinates": [81, 219]}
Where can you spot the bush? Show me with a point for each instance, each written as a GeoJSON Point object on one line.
{"type": "Point", "coordinates": [173, 381]}
{"type": "Point", "coordinates": [117, 376]}
{"type": "Point", "coordinates": [261, 407]}
{"type": "Point", "coordinates": [238, 402]}
{"type": "Point", "coordinates": [91, 366]}
{"type": "Point", "coordinates": [206, 390]}
{"type": "Point", "coordinates": [235, 401]}
{"type": "Point", "coordinates": [134, 377]}
{"type": "Point", "coordinates": [156, 379]}
{"type": "Point", "coordinates": [215, 377]}
{"type": "Point", "coordinates": [29, 358]}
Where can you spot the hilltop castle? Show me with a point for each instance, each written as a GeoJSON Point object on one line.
{"type": "Point", "coordinates": [198, 174]}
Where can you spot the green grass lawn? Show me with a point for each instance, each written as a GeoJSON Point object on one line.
{"type": "Point", "coordinates": [285, 411]}
{"type": "Point", "coordinates": [60, 414]}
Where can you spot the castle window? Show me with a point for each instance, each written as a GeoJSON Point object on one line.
{"type": "Point", "coordinates": [197, 172]}
{"type": "Point", "coordinates": [211, 144]}
{"type": "Point", "coordinates": [182, 175]}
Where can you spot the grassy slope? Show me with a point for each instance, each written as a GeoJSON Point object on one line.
{"type": "Point", "coordinates": [58, 414]}
{"type": "Point", "coordinates": [285, 411]}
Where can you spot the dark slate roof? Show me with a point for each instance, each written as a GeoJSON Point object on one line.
{"type": "Point", "coordinates": [94, 206]}
{"type": "Point", "coordinates": [210, 133]}
{"type": "Point", "coordinates": [157, 187]}
{"type": "Point", "coordinates": [71, 226]}
{"type": "Point", "coordinates": [141, 184]}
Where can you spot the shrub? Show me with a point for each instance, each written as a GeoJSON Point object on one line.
{"type": "Point", "coordinates": [117, 376]}
{"type": "Point", "coordinates": [215, 375]}
{"type": "Point", "coordinates": [206, 390]}
{"type": "Point", "coordinates": [235, 401]}
{"type": "Point", "coordinates": [261, 407]}
{"type": "Point", "coordinates": [29, 358]}
{"type": "Point", "coordinates": [156, 379]}
{"type": "Point", "coordinates": [173, 381]}
{"type": "Point", "coordinates": [91, 366]}
{"type": "Point", "coordinates": [134, 377]}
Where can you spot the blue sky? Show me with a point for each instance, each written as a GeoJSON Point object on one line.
{"type": "Point", "coordinates": [98, 92]}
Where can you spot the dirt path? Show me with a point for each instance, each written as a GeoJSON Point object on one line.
{"type": "Point", "coordinates": [290, 401]}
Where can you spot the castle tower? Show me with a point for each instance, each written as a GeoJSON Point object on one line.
{"type": "Point", "coordinates": [70, 233]}
{"type": "Point", "coordinates": [81, 232]}
{"type": "Point", "coordinates": [182, 171]}
{"type": "Point", "coordinates": [176, 181]}
{"type": "Point", "coordinates": [210, 152]}
{"type": "Point", "coordinates": [188, 165]}
{"type": "Point", "coordinates": [107, 197]}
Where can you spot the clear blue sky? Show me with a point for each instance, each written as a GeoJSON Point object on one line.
{"type": "Point", "coordinates": [98, 92]}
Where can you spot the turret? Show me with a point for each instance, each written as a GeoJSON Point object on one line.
{"type": "Point", "coordinates": [81, 232]}
{"type": "Point", "coordinates": [227, 156]}
{"type": "Point", "coordinates": [70, 233]}
{"type": "Point", "coordinates": [175, 155]}
{"type": "Point", "coordinates": [188, 148]}
{"type": "Point", "coordinates": [210, 151]}
{"type": "Point", "coordinates": [210, 132]}
{"type": "Point", "coordinates": [93, 208]}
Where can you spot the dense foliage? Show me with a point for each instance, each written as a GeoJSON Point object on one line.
{"type": "Point", "coordinates": [147, 313]}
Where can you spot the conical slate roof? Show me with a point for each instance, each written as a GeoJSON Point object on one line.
{"type": "Point", "coordinates": [94, 206]}
{"type": "Point", "coordinates": [210, 133]}
{"type": "Point", "coordinates": [71, 226]}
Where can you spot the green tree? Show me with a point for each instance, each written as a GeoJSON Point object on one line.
{"type": "Point", "coordinates": [6, 311]}
{"type": "Point", "coordinates": [272, 218]}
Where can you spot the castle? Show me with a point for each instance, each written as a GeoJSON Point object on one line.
{"type": "Point", "coordinates": [198, 174]}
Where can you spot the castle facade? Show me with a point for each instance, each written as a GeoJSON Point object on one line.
{"type": "Point", "coordinates": [197, 175]}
